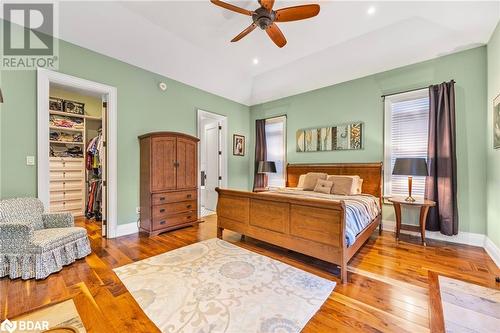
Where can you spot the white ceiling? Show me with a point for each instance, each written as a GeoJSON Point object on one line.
{"type": "Point", "coordinates": [189, 41]}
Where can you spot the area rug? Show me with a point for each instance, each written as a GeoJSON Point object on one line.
{"type": "Point", "coordinates": [215, 286]}
{"type": "Point", "coordinates": [468, 307]}
{"type": "Point", "coordinates": [63, 316]}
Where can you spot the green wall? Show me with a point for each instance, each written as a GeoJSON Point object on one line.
{"type": "Point", "coordinates": [493, 156]}
{"type": "Point", "coordinates": [142, 108]}
{"type": "Point", "coordinates": [360, 100]}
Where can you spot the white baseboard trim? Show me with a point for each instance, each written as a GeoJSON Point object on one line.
{"type": "Point", "coordinates": [493, 250]}
{"type": "Point", "coordinates": [126, 229]}
{"type": "Point", "coordinates": [467, 238]}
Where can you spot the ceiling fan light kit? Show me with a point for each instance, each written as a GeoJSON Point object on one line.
{"type": "Point", "coordinates": [265, 18]}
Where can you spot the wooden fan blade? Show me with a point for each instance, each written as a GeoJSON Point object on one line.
{"type": "Point", "coordinates": [231, 7]}
{"type": "Point", "coordinates": [244, 32]}
{"type": "Point", "coordinates": [267, 4]}
{"type": "Point", "coordinates": [296, 13]}
{"type": "Point", "coordinates": [276, 35]}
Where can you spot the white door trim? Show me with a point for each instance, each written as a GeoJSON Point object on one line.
{"type": "Point", "coordinates": [44, 78]}
{"type": "Point", "coordinates": [201, 114]}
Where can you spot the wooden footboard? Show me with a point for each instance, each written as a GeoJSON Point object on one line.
{"type": "Point", "coordinates": [310, 226]}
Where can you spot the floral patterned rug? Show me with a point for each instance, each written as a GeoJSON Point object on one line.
{"type": "Point", "coordinates": [215, 286]}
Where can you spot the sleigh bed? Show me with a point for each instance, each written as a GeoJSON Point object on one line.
{"type": "Point", "coordinates": [315, 225]}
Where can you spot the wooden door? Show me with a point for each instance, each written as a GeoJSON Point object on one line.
{"type": "Point", "coordinates": [186, 164]}
{"type": "Point", "coordinates": [163, 158]}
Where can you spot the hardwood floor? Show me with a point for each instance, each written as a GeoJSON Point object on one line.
{"type": "Point", "coordinates": [387, 289]}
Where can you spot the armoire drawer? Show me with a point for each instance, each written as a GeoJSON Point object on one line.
{"type": "Point", "coordinates": [168, 209]}
{"type": "Point", "coordinates": [161, 223]}
{"type": "Point", "coordinates": [58, 163]}
{"type": "Point", "coordinates": [162, 198]}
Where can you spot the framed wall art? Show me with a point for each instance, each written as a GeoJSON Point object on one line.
{"type": "Point", "coordinates": [238, 145]}
{"type": "Point", "coordinates": [338, 137]}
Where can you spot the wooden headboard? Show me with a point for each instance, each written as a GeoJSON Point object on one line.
{"type": "Point", "coordinates": [371, 173]}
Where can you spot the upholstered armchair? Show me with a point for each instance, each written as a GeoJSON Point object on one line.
{"type": "Point", "coordinates": [34, 244]}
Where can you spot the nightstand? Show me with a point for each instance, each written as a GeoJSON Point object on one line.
{"type": "Point", "coordinates": [424, 206]}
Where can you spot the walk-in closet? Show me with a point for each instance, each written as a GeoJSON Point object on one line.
{"type": "Point", "coordinates": [77, 152]}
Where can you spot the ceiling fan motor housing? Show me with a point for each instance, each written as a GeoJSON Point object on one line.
{"type": "Point", "coordinates": [263, 18]}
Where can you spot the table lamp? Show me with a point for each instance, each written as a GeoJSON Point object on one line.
{"type": "Point", "coordinates": [410, 167]}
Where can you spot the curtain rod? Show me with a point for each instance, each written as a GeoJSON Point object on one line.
{"type": "Point", "coordinates": [407, 91]}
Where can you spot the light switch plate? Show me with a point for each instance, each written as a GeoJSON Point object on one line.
{"type": "Point", "coordinates": [30, 160]}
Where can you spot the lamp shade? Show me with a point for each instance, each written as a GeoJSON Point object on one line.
{"type": "Point", "coordinates": [410, 167]}
{"type": "Point", "coordinates": [266, 167]}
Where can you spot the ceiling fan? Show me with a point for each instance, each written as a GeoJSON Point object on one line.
{"type": "Point", "coordinates": [265, 18]}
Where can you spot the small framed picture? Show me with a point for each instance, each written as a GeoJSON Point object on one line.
{"type": "Point", "coordinates": [238, 145]}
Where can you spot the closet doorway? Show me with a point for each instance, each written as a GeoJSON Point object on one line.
{"type": "Point", "coordinates": [212, 132]}
{"type": "Point", "coordinates": [76, 157]}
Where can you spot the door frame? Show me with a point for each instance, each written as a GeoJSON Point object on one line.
{"type": "Point", "coordinates": [202, 114]}
{"type": "Point", "coordinates": [44, 78]}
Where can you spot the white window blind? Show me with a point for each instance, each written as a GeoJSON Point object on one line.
{"type": "Point", "coordinates": [406, 135]}
{"type": "Point", "coordinates": [276, 149]}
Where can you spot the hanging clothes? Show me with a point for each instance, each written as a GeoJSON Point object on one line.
{"type": "Point", "coordinates": [93, 165]}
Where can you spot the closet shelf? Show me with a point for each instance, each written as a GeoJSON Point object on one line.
{"type": "Point", "coordinates": [69, 129]}
{"type": "Point", "coordinates": [66, 142]}
{"type": "Point", "coordinates": [67, 114]}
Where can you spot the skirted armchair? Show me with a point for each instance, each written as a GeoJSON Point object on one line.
{"type": "Point", "coordinates": [34, 244]}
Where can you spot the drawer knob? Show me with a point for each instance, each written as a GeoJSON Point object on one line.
{"type": "Point", "coordinates": [163, 222]}
{"type": "Point", "coordinates": [189, 217]}
{"type": "Point", "coordinates": [162, 198]}
{"type": "Point", "coordinates": [162, 210]}
{"type": "Point", "coordinates": [189, 195]}
{"type": "Point", "coordinates": [188, 206]}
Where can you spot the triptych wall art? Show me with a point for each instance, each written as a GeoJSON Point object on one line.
{"type": "Point", "coordinates": [337, 137]}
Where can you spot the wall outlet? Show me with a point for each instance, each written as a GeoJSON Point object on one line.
{"type": "Point", "coordinates": [137, 210]}
{"type": "Point", "coordinates": [30, 160]}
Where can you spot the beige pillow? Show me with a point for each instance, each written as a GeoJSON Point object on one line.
{"type": "Point", "coordinates": [323, 186]}
{"type": "Point", "coordinates": [360, 186]}
{"type": "Point", "coordinates": [302, 178]}
{"type": "Point", "coordinates": [345, 185]}
{"type": "Point", "coordinates": [311, 179]}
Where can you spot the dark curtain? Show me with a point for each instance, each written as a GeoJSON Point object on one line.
{"type": "Point", "coordinates": [441, 185]}
{"type": "Point", "coordinates": [260, 179]}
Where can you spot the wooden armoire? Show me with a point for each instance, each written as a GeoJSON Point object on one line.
{"type": "Point", "coordinates": [169, 181]}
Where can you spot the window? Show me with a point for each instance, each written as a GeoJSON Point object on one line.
{"type": "Point", "coordinates": [276, 149]}
{"type": "Point", "coordinates": [406, 135]}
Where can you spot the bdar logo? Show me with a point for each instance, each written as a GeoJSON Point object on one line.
{"type": "Point", "coordinates": [28, 29]}
{"type": "Point", "coordinates": [8, 326]}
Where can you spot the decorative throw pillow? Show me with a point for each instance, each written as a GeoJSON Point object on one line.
{"type": "Point", "coordinates": [301, 181]}
{"type": "Point", "coordinates": [344, 185]}
{"type": "Point", "coordinates": [311, 179]}
{"type": "Point", "coordinates": [323, 186]}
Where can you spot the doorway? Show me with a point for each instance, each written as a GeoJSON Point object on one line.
{"type": "Point", "coordinates": [212, 131]}
{"type": "Point", "coordinates": [77, 148]}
